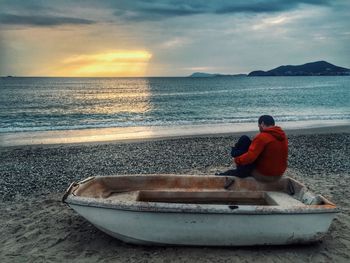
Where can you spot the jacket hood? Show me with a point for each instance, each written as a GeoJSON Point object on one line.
{"type": "Point", "coordinates": [276, 132]}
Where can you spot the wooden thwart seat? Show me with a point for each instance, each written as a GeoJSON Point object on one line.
{"type": "Point", "coordinates": [266, 198]}
{"type": "Point", "coordinates": [282, 199]}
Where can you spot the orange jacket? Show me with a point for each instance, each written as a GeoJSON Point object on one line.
{"type": "Point", "coordinates": [269, 151]}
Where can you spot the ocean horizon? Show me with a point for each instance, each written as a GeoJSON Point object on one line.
{"type": "Point", "coordinates": [37, 104]}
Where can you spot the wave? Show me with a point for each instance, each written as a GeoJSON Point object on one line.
{"type": "Point", "coordinates": [149, 123]}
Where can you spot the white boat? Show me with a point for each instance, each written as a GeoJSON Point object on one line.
{"type": "Point", "coordinates": [201, 210]}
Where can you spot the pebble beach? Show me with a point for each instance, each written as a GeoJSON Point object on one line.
{"type": "Point", "coordinates": [37, 227]}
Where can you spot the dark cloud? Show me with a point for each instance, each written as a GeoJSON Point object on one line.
{"type": "Point", "coordinates": [33, 20]}
{"type": "Point", "coordinates": [152, 13]}
{"type": "Point", "coordinates": [47, 13]}
{"type": "Point", "coordinates": [260, 7]}
{"type": "Point", "coordinates": [24, 5]}
{"type": "Point", "coordinates": [41, 13]}
{"type": "Point", "coordinates": [143, 10]}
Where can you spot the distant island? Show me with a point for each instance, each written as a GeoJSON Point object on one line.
{"type": "Point", "coordinates": [209, 75]}
{"type": "Point", "coordinates": [318, 68]}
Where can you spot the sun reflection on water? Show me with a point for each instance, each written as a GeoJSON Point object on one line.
{"type": "Point", "coordinates": [108, 99]}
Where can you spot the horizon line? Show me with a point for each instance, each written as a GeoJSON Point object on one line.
{"type": "Point", "coordinates": [187, 76]}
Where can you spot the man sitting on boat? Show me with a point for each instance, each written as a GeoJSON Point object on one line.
{"type": "Point", "coordinates": [266, 157]}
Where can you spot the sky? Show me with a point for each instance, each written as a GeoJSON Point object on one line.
{"type": "Point", "coordinates": [91, 38]}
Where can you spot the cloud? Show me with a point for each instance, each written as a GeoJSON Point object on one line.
{"type": "Point", "coordinates": [154, 11]}
{"type": "Point", "coordinates": [266, 6]}
{"type": "Point", "coordinates": [141, 10]}
{"type": "Point", "coordinates": [107, 64]}
{"type": "Point", "coordinates": [182, 36]}
{"type": "Point", "coordinates": [27, 12]}
{"type": "Point", "coordinates": [112, 56]}
{"type": "Point", "coordinates": [174, 42]}
{"type": "Point", "coordinates": [34, 20]}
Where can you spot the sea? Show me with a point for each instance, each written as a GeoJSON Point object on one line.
{"type": "Point", "coordinates": [53, 104]}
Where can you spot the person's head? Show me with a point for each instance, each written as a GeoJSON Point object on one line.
{"type": "Point", "coordinates": [265, 121]}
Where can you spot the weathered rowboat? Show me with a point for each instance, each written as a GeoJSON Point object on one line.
{"type": "Point", "coordinates": [201, 210]}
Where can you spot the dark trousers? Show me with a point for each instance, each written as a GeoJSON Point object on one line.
{"type": "Point", "coordinates": [240, 148]}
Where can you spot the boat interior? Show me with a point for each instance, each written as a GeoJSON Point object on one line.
{"type": "Point", "coordinates": [197, 190]}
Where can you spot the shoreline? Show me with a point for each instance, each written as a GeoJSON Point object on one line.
{"type": "Point", "coordinates": [140, 134]}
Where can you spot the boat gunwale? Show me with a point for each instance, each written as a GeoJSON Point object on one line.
{"type": "Point", "coordinates": [159, 207]}
{"type": "Point", "coordinates": [137, 206]}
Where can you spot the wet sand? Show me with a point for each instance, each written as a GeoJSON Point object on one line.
{"type": "Point", "coordinates": [37, 227]}
{"type": "Point", "coordinates": [134, 134]}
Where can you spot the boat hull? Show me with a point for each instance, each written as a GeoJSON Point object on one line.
{"type": "Point", "coordinates": [191, 210]}
{"type": "Point", "coordinates": [207, 229]}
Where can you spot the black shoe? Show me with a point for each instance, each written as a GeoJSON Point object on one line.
{"type": "Point", "coordinates": [227, 173]}
{"type": "Point", "coordinates": [220, 174]}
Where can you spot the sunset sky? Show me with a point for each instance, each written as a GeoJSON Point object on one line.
{"type": "Point", "coordinates": [169, 38]}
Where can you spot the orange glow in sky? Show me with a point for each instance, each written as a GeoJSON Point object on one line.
{"type": "Point", "coordinates": [125, 63]}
